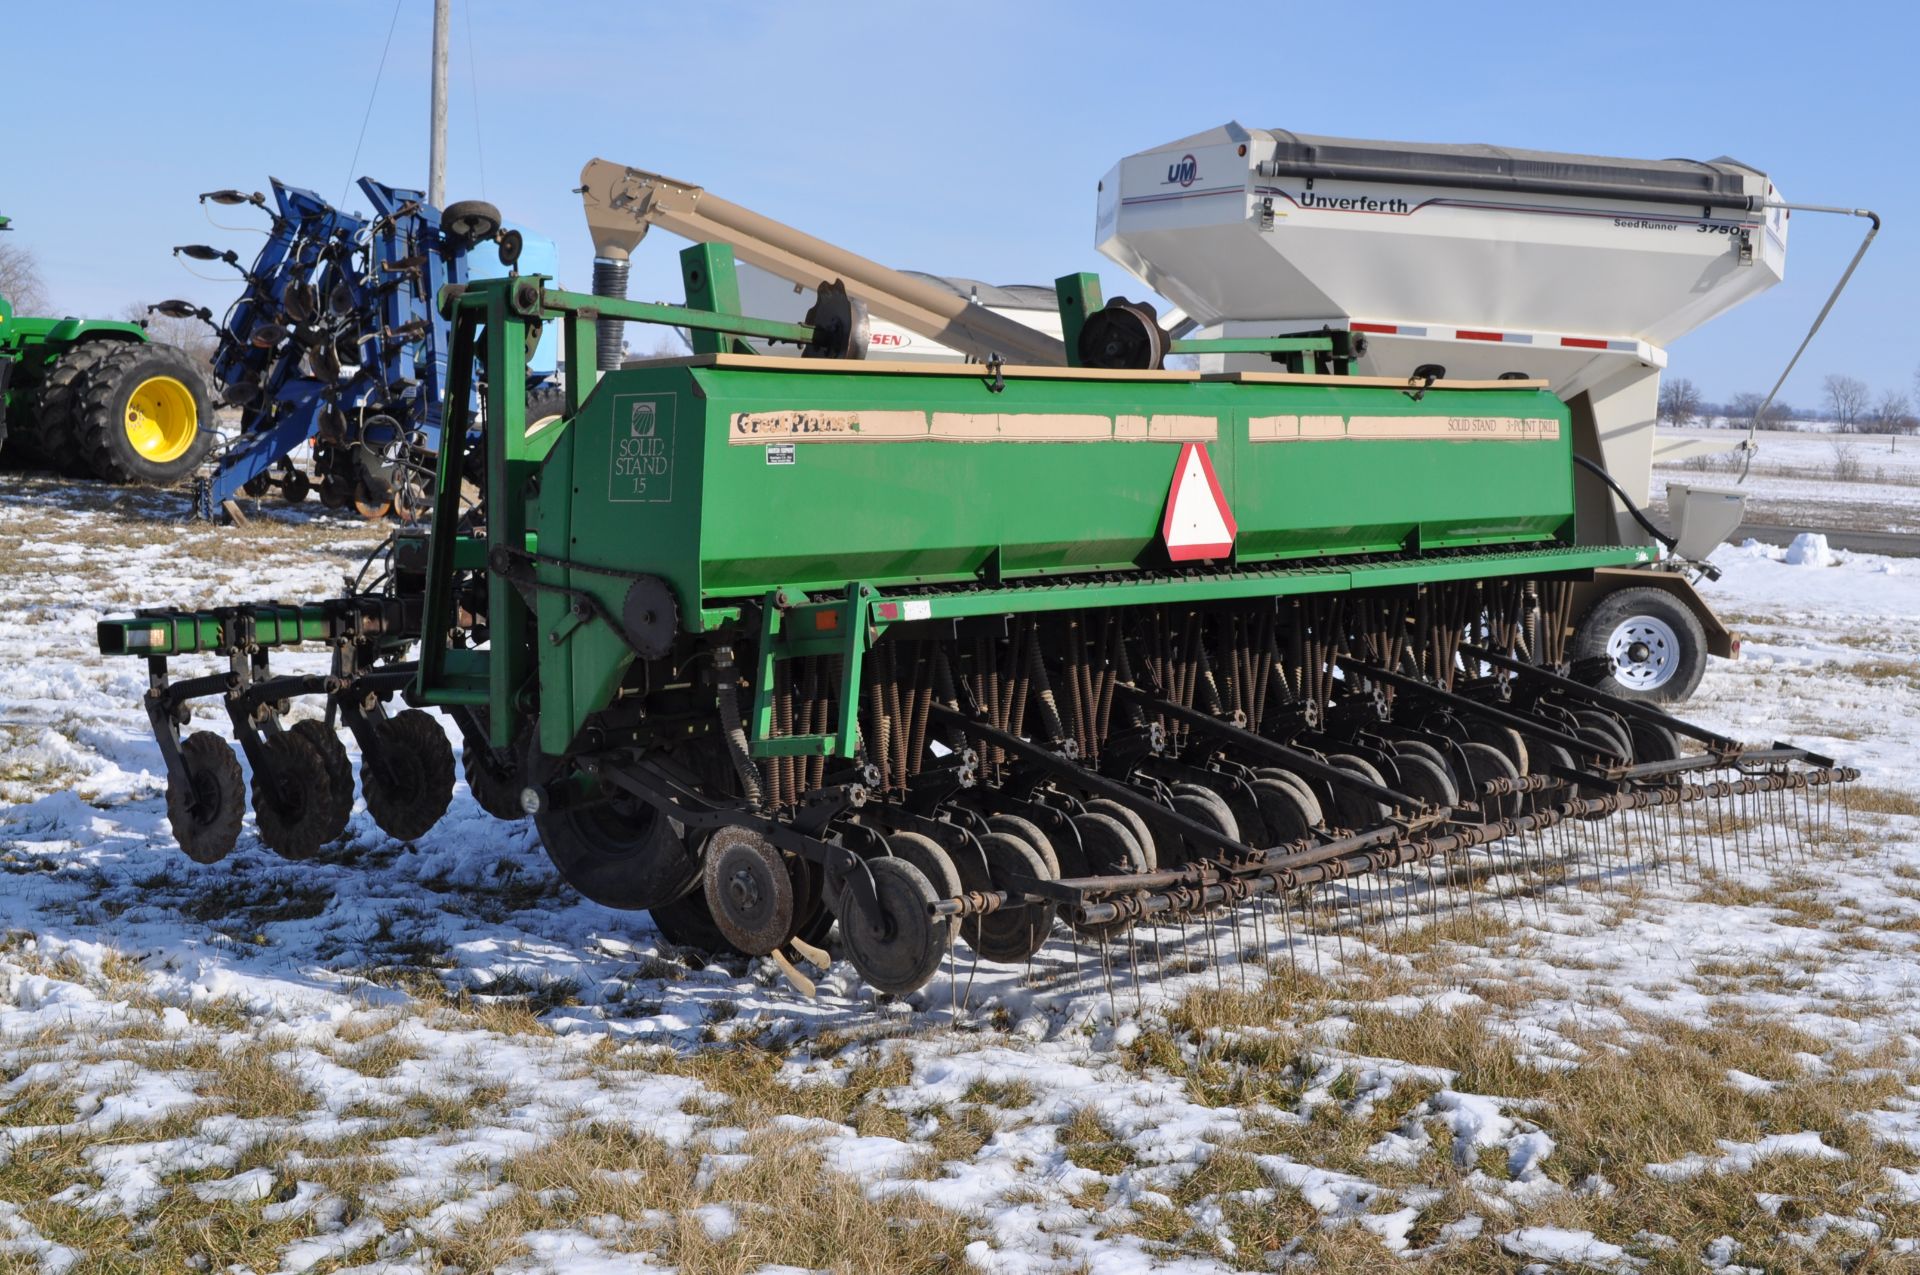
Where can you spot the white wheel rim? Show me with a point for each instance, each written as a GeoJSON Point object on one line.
{"type": "Point", "coordinates": [1644, 653]}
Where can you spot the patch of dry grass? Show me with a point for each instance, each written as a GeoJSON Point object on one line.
{"type": "Point", "coordinates": [1653, 1092]}
{"type": "Point", "coordinates": [786, 1207]}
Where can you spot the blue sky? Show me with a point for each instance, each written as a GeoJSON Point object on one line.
{"type": "Point", "coordinates": [962, 139]}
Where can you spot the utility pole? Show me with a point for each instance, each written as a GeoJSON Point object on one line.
{"type": "Point", "coordinates": [437, 146]}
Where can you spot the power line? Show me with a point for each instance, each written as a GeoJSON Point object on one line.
{"type": "Point", "coordinates": [368, 117]}
{"type": "Point", "coordinates": [473, 84]}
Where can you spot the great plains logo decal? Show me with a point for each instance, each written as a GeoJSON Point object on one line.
{"type": "Point", "coordinates": [1182, 173]}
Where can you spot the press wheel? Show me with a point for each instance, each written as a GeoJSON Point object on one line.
{"type": "Point", "coordinates": [1504, 738]}
{"type": "Point", "coordinates": [205, 811]}
{"type": "Point", "coordinates": [1204, 806]}
{"type": "Point", "coordinates": [1010, 935]}
{"type": "Point", "coordinates": [1419, 776]}
{"type": "Point", "coordinates": [339, 767]}
{"type": "Point", "coordinates": [895, 943]}
{"type": "Point", "coordinates": [1353, 809]}
{"type": "Point", "coordinates": [1283, 812]}
{"type": "Point", "coordinates": [1142, 835]}
{"type": "Point", "coordinates": [1309, 800]}
{"type": "Point", "coordinates": [1028, 831]}
{"type": "Point", "coordinates": [935, 864]}
{"type": "Point", "coordinates": [1110, 851]}
{"type": "Point", "coordinates": [409, 786]}
{"type": "Point", "coordinates": [749, 890]}
{"type": "Point", "coordinates": [1607, 725]}
{"type": "Point", "coordinates": [1653, 742]}
{"type": "Point", "coordinates": [291, 802]}
{"type": "Point", "coordinates": [686, 922]}
{"type": "Point", "coordinates": [1481, 763]}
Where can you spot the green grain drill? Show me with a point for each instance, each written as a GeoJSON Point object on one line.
{"type": "Point", "coordinates": [957, 654]}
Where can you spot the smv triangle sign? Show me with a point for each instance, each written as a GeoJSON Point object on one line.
{"type": "Point", "coordinates": [1198, 523]}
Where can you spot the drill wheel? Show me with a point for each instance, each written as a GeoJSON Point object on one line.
{"type": "Point", "coordinates": [495, 787]}
{"type": "Point", "coordinates": [411, 785]}
{"type": "Point", "coordinates": [292, 801]}
{"type": "Point", "coordinates": [1010, 935]}
{"type": "Point", "coordinates": [1110, 851]}
{"type": "Point", "coordinates": [688, 922]}
{"type": "Point", "coordinates": [339, 768]}
{"type": "Point", "coordinates": [935, 864]}
{"type": "Point", "coordinates": [898, 945]}
{"type": "Point", "coordinates": [749, 891]}
{"type": "Point", "coordinates": [205, 811]}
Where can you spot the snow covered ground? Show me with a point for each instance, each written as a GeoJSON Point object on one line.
{"type": "Point", "coordinates": [1854, 482]}
{"type": "Point", "coordinates": [433, 1057]}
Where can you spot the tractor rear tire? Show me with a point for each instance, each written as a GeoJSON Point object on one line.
{"type": "Point", "coordinates": [47, 435]}
{"type": "Point", "coordinates": [141, 415]}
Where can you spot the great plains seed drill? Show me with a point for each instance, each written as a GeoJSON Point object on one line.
{"type": "Point", "coordinates": [958, 653]}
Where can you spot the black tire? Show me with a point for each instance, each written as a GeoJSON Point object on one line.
{"type": "Point", "coordinates": [1673, 639]}
{"type": "Point", "coordinates": [411, 786]}
{"type": "Point", "coordinates": [293, 808]}
{"type": "Point", "coordinates": [1309, 801]}
{"type": "Point", "coordinates": [205, 812]}
{"type": "Point", "coordinates": [1142, 835]}
{"type": "Point", "coordinates": [49, 437]}
{"type": "Point", "coordinates": [545, 402]}
{"type": "Point", "coordinates": [621, 854]}
{"type": "Point", "coordinates": [105, 403]}
{"type": "Point", "coordinates": [1475, 765]}
{"type": "Point", "coordinates": [495, 787]}
{"type": "Point", "coordinates": [339, 768]}
{"type": "Point", "coordinates": [1420, 776]}
{"type": "Point", "coordinates": [688, 922]}
{"type": "Point", "coordinates": [1110, 850]}
{"type": "Point", "coordinates": [1284, 813]}
{"type": "Point", "coordinates": [1013, 934]}
{"type": "Point", "coordinates": [470, 220]}
{"type": "Point", "coordinates": [897, 951]}
{"type": "Point", "coordinates": [1351, 808]}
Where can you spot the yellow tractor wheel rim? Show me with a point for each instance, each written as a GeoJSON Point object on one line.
{"type": "Point", "coordinates": [162, 419]}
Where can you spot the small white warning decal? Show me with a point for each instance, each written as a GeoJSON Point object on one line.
{"type": "Point", "coordinates": [1198, 524]}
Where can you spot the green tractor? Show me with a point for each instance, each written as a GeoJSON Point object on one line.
{"type": "Point", "coordinates": [97, 398]}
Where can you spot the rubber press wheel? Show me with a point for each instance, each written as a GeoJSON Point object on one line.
{"type": "Point", "coordinates": [1010, 935]}
{"type": "Point", "coordinates": [339, 769]}
{"type": "Point", "coordinates": [141, 415]}
{"type": "Point", "coordinates": [410, 784]}
{"type": "Point", "coordinates": [935, 864]}
{"type": "Point", "coordinates": [898, 945]}
{"type": "Point", "coordinates": [495, 787]}
{"type": "Point", "coordinates": [292, 802]}
{"type": "Point", "coordinates": [205, 811]}
{"type": "Point", "coordinates": [623, 853]}
{"type": "Point", "coordinates": [688, 922]}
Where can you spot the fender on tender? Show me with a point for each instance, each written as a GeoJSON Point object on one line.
{"type": "Point", "coordinates": [1721, 640]}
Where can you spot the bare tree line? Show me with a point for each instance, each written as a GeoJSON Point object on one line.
{"type": "Point", "coordinates": [20, 281]}
{"type": "Point", "coordinates": [1847, 402]}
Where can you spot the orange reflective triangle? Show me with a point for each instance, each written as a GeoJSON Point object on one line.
{"type": "Point", "coordinates": [1198, 524]}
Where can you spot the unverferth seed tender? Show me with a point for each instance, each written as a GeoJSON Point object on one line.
{"type": "Point", "coordinates": [962, 653]}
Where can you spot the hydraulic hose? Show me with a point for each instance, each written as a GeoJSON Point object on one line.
{"type": "Point", "coordinates": [1646, 523]}
{"type": "Point", "coordinates": [726, 684]}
